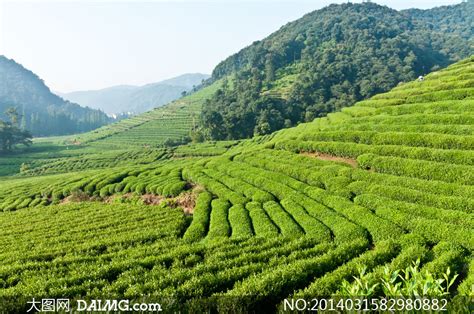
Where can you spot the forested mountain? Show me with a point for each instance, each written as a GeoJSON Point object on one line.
{"type": "Point", "coordinates": [42, 112]}
{"type": "Point", "coordinates": [328, 59]}
{"type": "Point", "coordinates": [458, 19]}
{"type": "Point", "coordinates": [137, 99]}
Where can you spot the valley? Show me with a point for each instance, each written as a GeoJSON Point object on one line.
{"type": "Point", "coordinates": [333, 159]}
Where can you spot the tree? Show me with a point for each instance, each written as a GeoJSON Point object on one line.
{"type": "Point", "coordinates": [269, 69]}
{"type": "Point", "coordinates": [10, 134]}
{"type": "Point", "coordinates": [23, 120]}
{"type": "Point", "coordinates": [13, 114]}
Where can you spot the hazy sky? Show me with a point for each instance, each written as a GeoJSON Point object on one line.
{"type": "Point", "coordinates": [96, 44]}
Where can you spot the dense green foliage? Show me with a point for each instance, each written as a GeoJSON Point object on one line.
{"type": "Point", "coordinates": [11, 134]}
{"type": "Point", "coordinates": [42, 112]}
{"type": "Point", "coordinates": [456, 20]}
{"type": "Point", "coordinates": [408, 282]}
{"type": "Point", "coordinates": [330, 59]}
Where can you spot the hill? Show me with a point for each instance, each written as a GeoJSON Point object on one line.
{"type": "Point", "coordinates": [149, 134]}
{"type": "Point", "coordinates": [43, 113]}
{"type": "Point", "coordinates": [385, 184]}
{"type": "Point", "coordinates": [136, 99]}
{"type": "Point", "coordinates": [329, 59]}
{"type": "Point", "coordinates": [456, 19]}
{"type": "Point", "coordinates": [377, 48]}
{"type": "Point", "coordinates": [170, 123]}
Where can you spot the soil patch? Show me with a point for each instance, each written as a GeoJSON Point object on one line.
{"type": "Point", "coordinates": [152, 199]}
{"type": "Point", "coordinates": [75, 197]}
{"type": "Point", "coordinates": [350, 161]}
{"type": "Point", "coordinates": [66, 200]}
{"type": "Point", "coordinates": [186, 200]}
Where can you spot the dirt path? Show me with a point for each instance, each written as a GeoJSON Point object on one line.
{"type": "Point", "coordinates": [349, 161]}
{"type": "Point", "coordinates": [186, 200]}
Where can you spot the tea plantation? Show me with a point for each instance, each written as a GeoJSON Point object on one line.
{"type": "Point", "coordinates": [293, 214]}
{"type": "Point", "coordinates": [173, 122]}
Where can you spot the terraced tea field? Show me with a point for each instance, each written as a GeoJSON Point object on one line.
{"type": "Point", "coordinates": [292, 215]}
{"type": "Point", "coordinates": [139, 139]}
{"type": "Point", "coordinates": [173, 121]}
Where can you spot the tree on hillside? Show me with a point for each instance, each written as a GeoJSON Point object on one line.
{"type": "Point", "coordinates": [12, 113]}
{"type": "Point", "coordinates": [11, 134]}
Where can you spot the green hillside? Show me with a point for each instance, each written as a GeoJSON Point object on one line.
{"type": "Point", "coordinates": [330, 59]}
{"type": "Point", "coordinates": [146, 137]}
{"type": "Point", "coordinates": [452, 19]}
{"type": "Point", "coordinates": [40, 111]}
{"type": "Point", "coordinates": [173, 121]}
{"type": "Point", "coordinates": [293, 214]}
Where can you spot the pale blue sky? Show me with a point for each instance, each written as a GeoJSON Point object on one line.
{"type": "Point", "coordinates": [96, 44]}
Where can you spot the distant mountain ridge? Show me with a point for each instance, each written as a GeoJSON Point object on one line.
{"type": "Point", "coordinates": [137, 99]}
{"type": "Point", "coordinates": [42, 112]}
